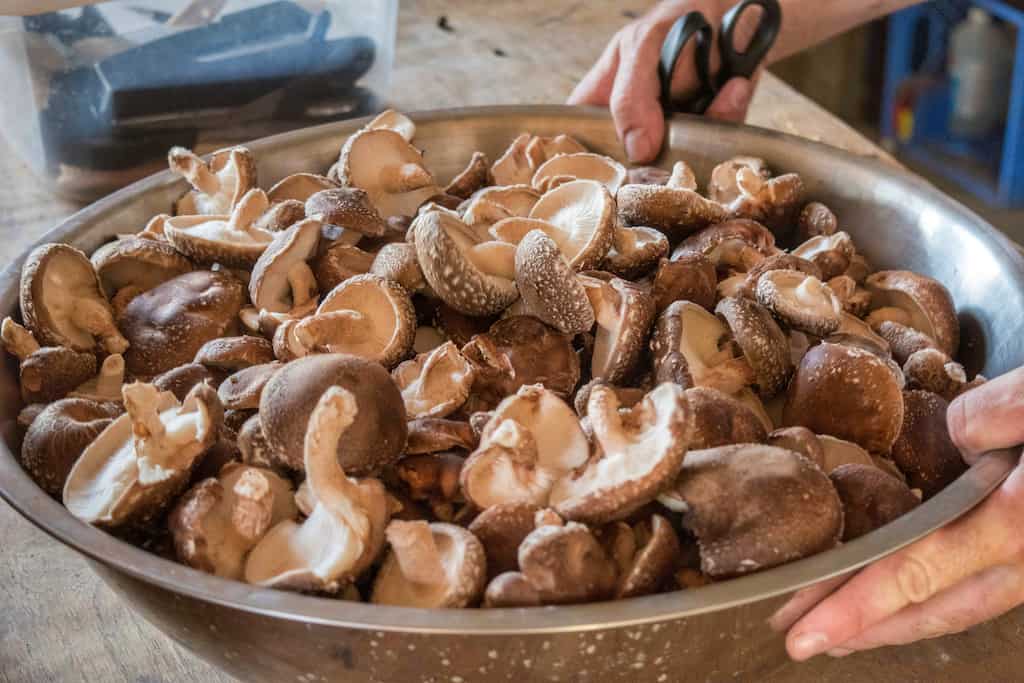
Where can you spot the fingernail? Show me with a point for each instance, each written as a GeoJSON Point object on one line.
{"type": "Point", "coordinates": [637, 147]}
{"type": "Point", "coordinates": [806, 645]}
{"type": "Point", "coordinates": [839, 652]}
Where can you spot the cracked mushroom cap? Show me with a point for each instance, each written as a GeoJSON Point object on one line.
{"type": "Point", "coordinates": [52, 372]}
{"type": "Point", "coordinates": [281, 279]}
{"type": "Point", "coordinates": [57, 436]}
{"type": "Point", "coordinates": [549, 287]}
{"type": "Point", "coordinates": [137, 262]}
{"type": "Point", "coordinates": [347, 207]}
{"type": "Point", "coordinates": [635, 251]}
{"type": "Point", "coordinates": [694, 348]}
{"type": "Point", "coordinates": [923, 450]}
{"type": "Point", "coordinates": [532, 439]}
{"type": "Point", "coordinates": [624, 313]}
{"type": "Point", "coordinates": [871, 498]}
{"type": "Point", "coordinates": [434, 384]}
{"type": "Point", "coordinates": [472, 276]}
{"type": "Point", "coordinates": [801, 301]}
{"type": "Point", "coordinates": [525, 155]}
{"type": "Point", "coordinates": [676, 211]}
{"type": "Point", "coordinates": [132, 471]}
{"type": "Point", "coordinates": [242, 390]}
{"type": "Point", "coordinates": [562, 168]}
{"type": "Point", "coordinates": [344, 532]}
{"type": "Point", "coordinates": [689, 277]}
{"type": "Point", "coordinates": [926, 302]}
{"type": "Point", "coordinates": [764, 345]}
{"type": "Point", "coordinates": [721, 420]}
{"type": "Point", "coordinates": [219, 520]}
{"type": "Point", "coordinates": [62, 302]}
{"type": "Point", "coordinates": [846, 392]}
{"type": "Point", "coordinates": [216, 187]}
{"type": "Point", "coordinates": [232, 240]}
{"type": "Point", "coordinates": [299, 187]}
{"type": "Point", "coordinates": [566, 564]}
{"type": "Point", "coordinates": [833, 253]}
{"type": "Point", "coordinates": [167, 325]}
{"type": "Point", "coordinates": [738, 243]}
{"type": "Point", "coordinates": [367, 316]}
{"type": "Point", "coordinates": [656, 556]}
{"type": "Point", "coordinates": [501, 529]}
{"type": "Point", "coordinates": [753, 506]}
{"type": "Point", "coordinates": [583, 212]}
{"type": "Point", "coordinates": [641, 450]}
{"type": "Point", "coordinates": [433, 565]}
{"type": "Point", "coordinates": [517, 351]}
{"type": "Point", "coordinates": [377, 437]}
{"type": "Point", "coordinates": [389, 169]}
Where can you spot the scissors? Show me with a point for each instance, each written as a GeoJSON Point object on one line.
{"type": "Point", "coordinates": [734, 63]}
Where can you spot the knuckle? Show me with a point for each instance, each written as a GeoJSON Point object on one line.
{"type": "Point", "coordinates": [915, 579]}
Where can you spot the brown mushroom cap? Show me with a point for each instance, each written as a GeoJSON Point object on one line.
{"type": "Point", "coordinates": [57, 437]}
{"type": "Point", "coordinates": [137, 262]}
{"type": "Point", "coordinates": [180, 380]}
{"type": "Point", "coordinates": [579, 166]}
{"type": "Point", "coordinates": [871, 498]}
{"type": "Point", "coordinates": [904, 341]}
{"type": "Point", "coordinates": [641, 451]}
{"type": "Point", "coordinates": [339, 263]}
{"type": "Point", "coordinates": [648, 175]}
{"type": "Point", "coordinates": [489, 206]}
{"type": "Point", "coordinates": [62, 303]}
{"type": "Point", "coordinates": [839, 452]}
{"type": "Point", "coordinates": [689, 277]}
{"type": "Point", "coordinates": [926, 302]}
{"type": "Point", "coordinates": [800, 440]}
{"type": "Point", "coordinates": [549, 287]}
{"type": "Point", "coordinates": [242, 390]}
{"type": "Point", "coordinates": [738, 243]}
{"type": "Point", "coordinates": [801, 301]}
{"type": "Point", "coordinates": [517, 351]}
{"type": "Point", "coordinates": [434, 384]}
{"type": "Point", "coordinates": [816, 219]}
{"type": "Point", "coordinates": [435, 434]}
{"type": "Point", "coordinates": [457, 268]}
{"type": "Point", "coordinates": [526, 153]}
{"type": "Point", "coordinates": [475, 176]}
{"type": "Point", "coordinates": [299, 187]}
{"type": "Point", "coordinates": [775, 262]}
{"type": "Point", "coordinates": [566, 564]}
{"type": "Point", "coordinates": [52, 372]}
{"type": "Point", "coordinates": [583, 213]}
{"type": "Point", "coordinates": [847, 392]}
{"type": "Point", "coordinates": [501, 529]}
{"type": "Point", "coordinates": [753, 506]}
{"type": "Point", "coordinates": [234, 353]}
{"type": "Point", "coordinates": [855, 332]}
{"type": "Point", "coordinates": [721, 420]}
{"type": "Point", "coordinates": [677, 212]}
{"type": "Point", "coordinates": [624, 313]}
{"type": "Point", "coordinates": [654, 561]}
{"type": "Point", "coordinates": [347, 207]}
{"type": "Point", "coordinates": [923, 450]}
{"type": "Point", "coordinates": [281, 279]}
{"type": "Point", "coordinates": [217, 186]}
{"type": "Point", "coordinates": [934, 371]}
{"type": "Point", "coordinates": [232, 240]}
{"type": "Point", "coordinates": [764, 345]}
{"type": "Point", "coordinates": [376, 438]}
{"type": "Point", "coordinates": [635, 250]}
{"type": "Point", "coordinates": [167, 325]}
{"type": "Point", "coordinates": [397, 262]}
{"type": "Point", "coordinates": [430, 565]}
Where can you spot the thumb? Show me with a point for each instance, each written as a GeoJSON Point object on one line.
{"type": "Point", "coordinates": [732, 100]}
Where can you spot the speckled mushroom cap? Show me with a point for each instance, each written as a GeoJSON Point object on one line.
{"type": "Point", "coordinates": [376, 438]}
{"type": "Point", "coordinates": [549, 287]}
{"type": "Point", "coordinates": [721, 420]}
{"type": "Point", "coordinates": [566, 564]}
{"type": "Point", "coordinates": [57, 437]}
{"type": "Point", "coordinates": [801, 301]}
{"type": "Point", "coordinates": [739, 243]}
{"type": "Point", "coordinates": [137, 262]}
{"type": "Point", "coordinates": [382, 329]}
{"type": "Point", "coordinates": [641, 451]}
{"type": "Point", "coordinates": [217, 187]}
{"type": "Point", "coordinates": [934, 371]}
{"type": "Point", "coordinates": [242, 390]}
{"type": "Point", "coordinates": [180, 380]}
{"type": "Point", "coordinates": [501, 529]}
{"type": "Point", "coordinates": [579, 166]}
{"type": "Point", "coordinates": [390, 170]}
{"type": "Point", "coordinates": [338, 263]}
{"type": "Point", "coordinates": [799, 439]}
{"type": "Point", "coordinates": [398, 262]}
{"type": "Point", "coordinates": [282, 268]}
{"type": "Point", "coordinates": [131, 472]}
{"type": "Point", "coordinates": [167, 325]}
{"type": "Point", "coordinates": [635, 250]}
{"type": "Point", "coordinates": [457, 268]}
{"type": "Point", "coordinates": [753, 506]}
{"type": "Point", "coordinates": [654, 561]}
{"type": "Point", "coordinates": [849, 393]}
{"type": "Point", "coordinates": [228, 239]}
{"type": "Point", "coordinates": [871, 498]}
{"type": "Point", "coordinates": [583, 212]}
{"type": "Point", "coordinates": [926, 302]}
{"type": "Point", "coordinates": [475, 176]}
{"type": "Point", "coordinates": [347, 207]}
{"type": "Point", "coordinates": [923, 450]}
{"type": "Point", "coordinates": [435, 383]}
{"type": "Point", "coordinates": [234, 353]}
{"type": "Point", "coordinates": [299, 187]}
{"type": "Point", "coordinates": [526, 154]}
{"type": "Point", "coordinates": [677, 212]}
{"type": "Point", "coordinates": [689, 277]}
{"type": "Point", "coordinates": [62, 303]}
{"type": "Point", "coordinates": [624, 313]}
{"type": "Point", "coordinates": [902, 340]}
{"type": "Point", "coordinates": [764, 345]}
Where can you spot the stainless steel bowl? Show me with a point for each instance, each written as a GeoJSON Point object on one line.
{"type": "Point", "coordinates": [709, 633]}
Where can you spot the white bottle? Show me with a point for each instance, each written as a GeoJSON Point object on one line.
{"type": "Point", "coordinates": [981, 64]}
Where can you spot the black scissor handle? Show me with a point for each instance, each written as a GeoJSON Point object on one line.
{"type": "Point", "coordinates": [692, 25]}
{"type": "Point", "coordinates": [735, 63]}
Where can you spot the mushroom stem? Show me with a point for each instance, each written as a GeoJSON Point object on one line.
{"type": "Point", "coordinates": [605, 419]}
{"type": "Point", "coordinates": [517, 440]}
{"type": "Point", "coordinates": [194, 170]}
{"type": "Point", "coordinates": [302, 283]}
{"type": "Point", "coordinates": [682, 177]}
{"type": "Point", "coordinates": [749, 181]}
{"type": "Point", "coordinates": [324, 329]}
{"type": "Point", "coordinates": [416, 552]}
{"type": "Point", "coordinates": [140, 400]}
{"type": "Point", "coordinates": [404, 178]}
{"type": "Point", "coordinates": [17, 340]}
{"type": "Point", "coordinates": [111, 376]}
{"type": "Point", "coordinates": [93, 316]}
{"type": "Point", "coordinates": [254, 504]}
{"type": "Point", "coordinates": [250, 207]}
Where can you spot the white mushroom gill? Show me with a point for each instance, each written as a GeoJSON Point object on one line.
{"type": "Point", "coordinates": [159, 435]}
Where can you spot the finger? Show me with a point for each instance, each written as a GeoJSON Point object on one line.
{"type": "Point", "coordinates": [596, 86]}
{"type": "Point", "coordinates": [802, 602]}
{"type": "Point", "coordinates": [985, 537]}
{"type": "Point", "coordinates": [732, 101]}
{"type": "Point", "coordinates": [634, 99]}
{"type": "Point", "coordinates": [984, 596]}
{"type": "Point", "coordinates": [988, 417]}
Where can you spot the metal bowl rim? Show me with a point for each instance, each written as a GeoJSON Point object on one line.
{"type": "Point", "coordinates": [30, 501]}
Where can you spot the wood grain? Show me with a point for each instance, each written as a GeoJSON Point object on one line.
{"type": "Point", "coordinates": [60, 623]}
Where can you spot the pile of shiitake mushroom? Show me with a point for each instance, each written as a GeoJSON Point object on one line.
{"type": "Point", "coordinates": [553, 380]}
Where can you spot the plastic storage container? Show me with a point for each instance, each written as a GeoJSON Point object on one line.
{"type": "Point", "coordinates": [981, 65]}
{"type": "Point", "coordinates": [95, 95]}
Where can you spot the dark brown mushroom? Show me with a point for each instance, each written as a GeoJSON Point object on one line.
{"type": "Point", "coordinates": [501, 529]}
{"type": "Point", "coordinates": [689, 277]}
{"type": "Point", "coordinates": [924, 450]}
{"type": "Point", "coordinates": [764, 345]}
{"type": "Point", "coordinates": [871, 498]}
{"type": "Point", "coordinates": [721, 420]}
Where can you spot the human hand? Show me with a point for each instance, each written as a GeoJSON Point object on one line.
{"type": "Point", "coordinates": [963, 574]}
{"type": "Point", "coordinates": [625, 78]}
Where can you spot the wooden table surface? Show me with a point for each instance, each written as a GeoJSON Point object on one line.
{"type": "Point", "coordinates": [60, 623]}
